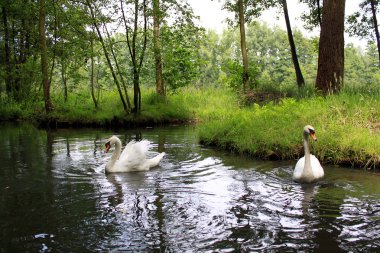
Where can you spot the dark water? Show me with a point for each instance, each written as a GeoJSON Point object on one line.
{"type": "Point", "coordinates": [55, 197]}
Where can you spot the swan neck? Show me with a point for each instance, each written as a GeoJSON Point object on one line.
{"type": "Point", "coordinates": [116, 153]}
{"type": "Point", "coordinates": [307, 152]}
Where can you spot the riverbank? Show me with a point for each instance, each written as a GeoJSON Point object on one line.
{"type": "Point", "coordinates": [186, 106]}
{"type": "Point", "coordinates": [347, 125]}
{"type": "Point", "coordinates": [79, 111]}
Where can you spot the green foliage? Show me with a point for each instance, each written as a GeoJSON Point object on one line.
{"type": "Point", "coordinates": [360, 23]}
{"type": "Point", "coordinates": [209, 52]}
{"type": "Point", "coordinates": [10, 110]}
{"type": "Point", "coordinates": [21, 76]}
{"type": "Point", "coordinates": [269, 55]}
{"type": "Point", "coordinates": [188, 104]}
{"type": "Point", "coordinates": [251, 8]}
{"type": "Point", "coordinates": [193, 59]}
{"type": "Point", "coordinates": [180, 57]}
{"type": "Point", "coordinates": [233, 77]}
{"type": "Point", "coordinates": [346, 125]}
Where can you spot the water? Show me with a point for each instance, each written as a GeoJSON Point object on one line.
{"type": "Point", "coordinates": [55, 197]}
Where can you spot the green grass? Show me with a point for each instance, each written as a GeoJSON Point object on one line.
{"type": "Point", "coordinates": [186, 105]}
{"type": "Point", "coordinates": [347, 127]}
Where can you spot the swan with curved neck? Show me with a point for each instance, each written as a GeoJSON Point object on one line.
{"type": "Point", "coordinates": [308, 169]}
{"type": "Point", "coordinates": [133, 157]}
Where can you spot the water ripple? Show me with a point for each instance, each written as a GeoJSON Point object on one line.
{"type": "Point", "coordinates": [197, 200]}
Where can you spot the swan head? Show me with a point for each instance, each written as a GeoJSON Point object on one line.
{"type": "Point", "coordinates": [309, 131]}
{"type": "Point", "coordinates": [111, 141]}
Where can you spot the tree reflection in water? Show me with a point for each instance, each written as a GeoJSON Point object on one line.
{"type": "Point", "coordinates": [56, 197]}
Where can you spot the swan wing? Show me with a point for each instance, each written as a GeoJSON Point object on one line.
{"type": "Point", "coordinates": [127, 150]}
{"type": "Point", "coordinates": [316, 167]}
{"type": "Point", "coordinates": [134, 154]}
{"type": "Point", "coordinates": [298, 169]}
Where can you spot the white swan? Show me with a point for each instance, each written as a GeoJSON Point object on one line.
{"type": "Point", "coordinates": [308, 169]}
{"type": "Point", "coordinates": [133, 157]}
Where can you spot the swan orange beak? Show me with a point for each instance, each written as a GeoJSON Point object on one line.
{"type": "Point", "coordinates": [313, 136]}
{"type": "Point", "coordinates": [108, 146]}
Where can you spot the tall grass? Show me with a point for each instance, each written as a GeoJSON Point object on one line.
{"type": "Point", "coordinates": [347, 126]}
{"type": "Point", "coordinates": [187, 104]}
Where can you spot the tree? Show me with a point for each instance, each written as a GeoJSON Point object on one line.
{"type": "Point", "coordinates": [70, 34]}
{"type": "Point", "coordinates": [111, 41]}
{"type": "Point", "coordinates": [364, 23]}
{"type": "Point", "coordinates": [181, 55]}
{"type": "Point", "coordinates": [7, 49]}
{"type": "Point", "coordinates": [331, 48]}
{"type": "Point", "coordinates": [106, 53]}
{"type": "Point", "coordinates": [210, 54]}
{"type": "Point", "coordinates": [243, 45]}
{"type": "Point", "coordinates": [137, 56]}
{"type": "Point", "coordinates": [245, 11]}
{"type": "Point", "coordinates": [44, 56]}
{"type": "Point", "coordinates": [375, 26]}
{"type": "Point", "coordinates": [95, 98]}
{"type": "Point", "coordinates": [19, 37]}
{"type": "Point", "coordinates": [313, 18]}
{"type": "Point", "coordinates": [371, 75]}
{"type": "Point", "coordinates": [160, 88]}
{"type": "Point", "coordinates": [300, 80]}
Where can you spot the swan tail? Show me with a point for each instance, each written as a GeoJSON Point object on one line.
{"type": "Point", "coordinates": [156, 160]}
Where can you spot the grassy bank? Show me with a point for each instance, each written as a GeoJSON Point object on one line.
{"type": "Point", "coordinates": [347, 127]}
{"type": "Point", "coordinates": [187, 105]}
{"type": "Point", "coordinates": [79, 110]}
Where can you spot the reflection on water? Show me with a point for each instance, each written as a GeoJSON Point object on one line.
{"type": "Point", "coordinates": [55, 197]}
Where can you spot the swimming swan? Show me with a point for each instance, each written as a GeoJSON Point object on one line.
{"type": "Point", "coordinates": [308, 169]}
{"type": "Point", "coordinates": [133, 157]}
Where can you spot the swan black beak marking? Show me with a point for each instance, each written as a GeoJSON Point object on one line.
{"type": "Point", "coordinates": [108, 146]}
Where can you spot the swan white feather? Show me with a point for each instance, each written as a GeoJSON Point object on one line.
{"type": "Point", "coordinates": [308, 169]}
{"type": "Point", "coordinates": [133, 157]}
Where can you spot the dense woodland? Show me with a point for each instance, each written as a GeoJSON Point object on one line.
{"type": "Point", "coordinates": [54, 52]}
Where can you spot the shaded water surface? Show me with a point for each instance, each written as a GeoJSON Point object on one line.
{"type": "Point", "coordinates": [55, 197]}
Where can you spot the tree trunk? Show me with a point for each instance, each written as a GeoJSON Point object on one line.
{"type": "Point", "coordinates": [319, 12]}
{"type": "Point", "coordinates": [92, 79]}
{"type": "Point", "coordinates": [136, 85]}
{"type": "Point", "coordinates": [157, 48]}
{"type": "Point", "coordinates": [299, 76]}
{"type": "Point", "coordinates": [331, 48]}
{"type": "Point", "coordinates": [64, 79]}
{"type": "Point", "coordinates": [136, 93]}
{"type": "Point", "coordinates": [8, 67]}
{"type": "Point", "coordinates": [107, 55]}
{"type": "Point", "coordinates": [375, 26]}
{"type": "Point", "coordinates": [243, 46]}
{"type": "Point", "coordinates": [118, 69]}
{"type": "Point", "coordinates": [16, 77]}
{"type": "Point", "coordinates": [44, 60]}
{"type": "Point", "coordinates": [132, 47]}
